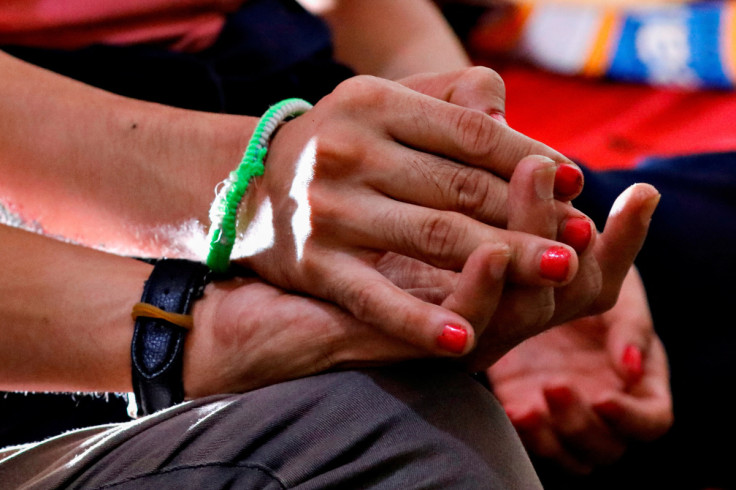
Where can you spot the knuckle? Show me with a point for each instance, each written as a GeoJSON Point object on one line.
{"type": "Point", "coordinates": [470, 190]}
{"type": "Point", "coordinates": [358, 92]}
{"type": "Point", "coordinates": [337, 155]}
{"type": "Point", "coordinates": [484, 79]}
{"type": "Point", "coordinates": [477, 133]}
{"type": "Point", "coordinates": [439, 236]}
{"type": "Point", "coordinates": [361, 300]}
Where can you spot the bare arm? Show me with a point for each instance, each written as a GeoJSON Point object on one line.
{"type": "Point", "coordinates": [102, 169]}
{"type": "Point", "coordinates": [389, 38]}
{"type": "Point", "coordinates": [65, 315]}
{"type": "Point", "coordinates": [65, 323]}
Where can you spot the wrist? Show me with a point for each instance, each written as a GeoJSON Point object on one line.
{"type": "Point", "coordinates": [208, 342]}
{"type": "Point", "coordinates": [162, 322]}
{"type": "Point", "coordinates": [186, 179]}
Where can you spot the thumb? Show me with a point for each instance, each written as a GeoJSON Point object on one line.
{"type": "Point", "coordinates": [631, 329]}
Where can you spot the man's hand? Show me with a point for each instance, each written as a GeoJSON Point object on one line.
{"type": "Point", "coordinates": [248, 334]}
{"type": "Point", "coordinates": [376, 168]}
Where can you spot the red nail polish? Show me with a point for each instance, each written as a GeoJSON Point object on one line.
{"type": "Point", "coordinates": [631, 359]}
{"type": "Point", "coordinates": [453, 339]}
{"type": "Point", "coordinates": [528, 421]}
{"type": "Point", "coordinates": [568, 180]}
{"type": "Point", "coordinates": [555, 263]}
{"type": "Point", "coordinates": [609, 410]}
{"type": "Point", "coordinates": [560, 396]}
{"type": "Point", "coordinates": [577, 233]}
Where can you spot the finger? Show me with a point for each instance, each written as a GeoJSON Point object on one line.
{"type": "Point", "coordinates": [531, 203]}
{"type": "Point", "coordinates": [632, 329]}
{"type": "Point", "coordinates": [600, 274]}
{"type": "Point", "coordinates": [446, 240]}
{"type": "Point", "coordinates": [622, 238]}
{"type": "Point", "coordinates": [568, 181]}
{"type": "Point", "coordinates": [428, 180]}
{"type": "Point", "coordinates": [438, 127]}
{"type": "Point", "coordinates": [432, 181]}
{"type": "Point", "coordinates": [540, 439]}
{"type": "Point", "coordinates": [576, 230]}
{"type": "Point", "coordinates": [246, 314]}
{"type": "Point", "coordinates": [480, 286]}
{"type": "Point", "coordinates": [645, 413]}
{"type": "Point", "coordinates": [524, 311]}
{"type": "Point", "coordinates": [579, 429]}
{"type": "Point", "coordinates": [373, 299]}
{"type": "Point", "coordinates": [478, 88]}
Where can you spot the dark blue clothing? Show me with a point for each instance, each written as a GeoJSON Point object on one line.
{"type": "Point", "coordinates": [688, 265]}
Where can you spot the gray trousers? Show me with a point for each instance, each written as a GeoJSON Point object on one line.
{"type": "Point", "coordinates": [417, 425]}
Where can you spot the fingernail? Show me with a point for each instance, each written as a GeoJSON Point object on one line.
{"type": "Point", "coordinates": [544, 182]}
{"type": "Point", "coordinates": [648, 208]}
{"type": "Point", "coordinates": [609, 409]}
{"type": "Point", "coordinates": [555, 263]}
{"type": "Point", "coordinates": [631, 359]}
{"type": "Point", "coordinates": [577, 234]}
{"type": "Point", "coordinates": [568, 180]}
{"type": "Point", "coordinates": [529, 420]}
{"type": "Point", "coordinates": [560, 396]}
{"type": "Point", "coordinates": [453, 339]}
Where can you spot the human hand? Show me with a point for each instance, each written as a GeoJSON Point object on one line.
{"type": "Point", "coordinates": [579, 393]}
{"type": "Point", "coordinates": [531, 198]}
{"type": "Point", "coordinates": [373, 169]}
{"type": "Point", "coordinates": [604, 264]}
{"type": "Point", "coordinates": [249, 334]}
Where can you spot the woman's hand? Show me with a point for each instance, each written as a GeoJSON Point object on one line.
{"type": "Point", "coordinates": [372, 169]}
{"type": "Point", "coordinates": [248, 334]}
{"type": "Point", "coordinates": [580, 392]}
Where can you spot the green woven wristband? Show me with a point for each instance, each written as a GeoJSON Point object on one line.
{"type": "Point", "coordinates": [224, 210]}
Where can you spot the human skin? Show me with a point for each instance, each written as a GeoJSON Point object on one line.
{"type": "Point", "coordinates": [108, 171]}
{"type": "Point", "coordinates": [75, 334]}
{"type": "Point", "coordinates": [391, 39]}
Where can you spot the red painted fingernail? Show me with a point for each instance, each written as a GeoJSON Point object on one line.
{"type": "Point", "coordinates": [609, 409]}
{"type": "Point", "coordinates": [577, 233]}
{"type": "Point", "coordinates": [568, 180]}
{"type": "Point", "coordinates": [631, 359]}
{"type": "Point", "coordinates": [560, 396]}
{"type": "Point", "coordinates": [453, 339]}
{"type": "Point", "coordinates": [555, 263]}
{"type": "Point", "coordinates": [529, 420]}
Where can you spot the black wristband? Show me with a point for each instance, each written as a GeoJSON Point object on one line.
{"type": "Point", "coordinates": [158, 345]}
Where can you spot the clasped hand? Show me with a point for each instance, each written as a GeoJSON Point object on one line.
{"type": "Point", "coordinates": [384, 188]}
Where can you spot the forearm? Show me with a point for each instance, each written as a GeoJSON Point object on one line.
{"type": "Point", "coordinates": [105, 170]}
{"type": "Point", "coordinates": [65, 321]}
{"type": "Point", "coordinates": [390, 38]}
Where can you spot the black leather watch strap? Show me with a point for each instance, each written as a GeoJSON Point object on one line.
{"type": "Point", "coordinates": [157, 346]}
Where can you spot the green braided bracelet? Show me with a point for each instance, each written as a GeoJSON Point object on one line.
{"type": "Point", "coordinates": [224, 210]}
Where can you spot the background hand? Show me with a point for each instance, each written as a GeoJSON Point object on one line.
{"type": "Point", "coordinates": [578, 393]}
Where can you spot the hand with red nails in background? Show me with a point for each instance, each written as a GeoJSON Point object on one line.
{"type": "Point", "coordinates": [579, 393]}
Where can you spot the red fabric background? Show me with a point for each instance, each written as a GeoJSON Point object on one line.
{"type": "Point", "coordinates": [613, 125]}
